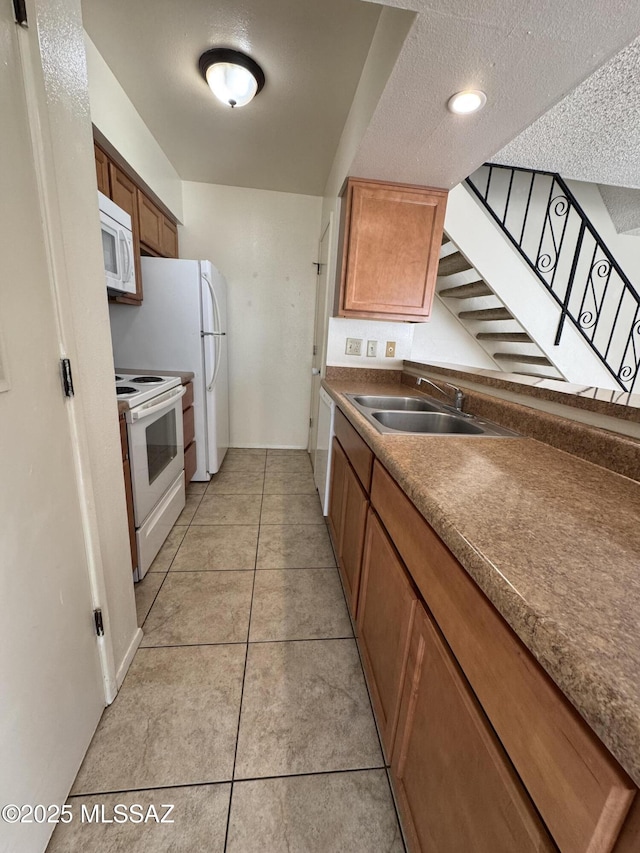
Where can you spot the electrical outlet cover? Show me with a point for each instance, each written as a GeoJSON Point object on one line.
{"type": "Point", "coordinates": [390, 351]}
{"type": "Point", "coordinates": [372, 349]}
{"type": "Point", "coordinates": [354, 346]}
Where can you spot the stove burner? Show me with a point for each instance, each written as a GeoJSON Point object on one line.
{"type": "Point", "coordinates": [145, 379]}
{"type": "Point", "coordinates": [125, 389]}
{"type": "Point", "coordinates": [118, 378]}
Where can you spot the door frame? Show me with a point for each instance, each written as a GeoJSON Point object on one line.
{"type": "Point", "coordinates": [321, 326]}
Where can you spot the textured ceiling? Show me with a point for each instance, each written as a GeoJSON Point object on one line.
{"type": "Point", "coordinates": [312, 53]}
{"type": "Point", "coordinates": [594, 133]}
{"type": "Point", "coordinates": [526, 56]}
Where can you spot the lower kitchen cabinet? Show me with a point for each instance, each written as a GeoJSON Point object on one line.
{"type": "Point", "coordinates": [386, 608]}
{"type": "Point", "coordinates": [455, 785]}
{"type": "Point", "coordinates": [339, 465]}
{"type": "Point", "coordinates": [355, 503]}
{"type": "Point", "coordinates": [348, 503]}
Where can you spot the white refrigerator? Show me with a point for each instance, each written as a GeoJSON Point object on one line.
{"type": "Point", "coordinates": [182, 325]}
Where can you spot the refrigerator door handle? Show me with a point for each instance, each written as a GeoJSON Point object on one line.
{"type": "Point", "coordinates": [215, 335]}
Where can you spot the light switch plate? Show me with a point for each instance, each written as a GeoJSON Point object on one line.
{"type": "Point", "coordinates": [354, 346]}
{"type": "Point", "coordinates": [390, 351]}
{"type": "Point", "coordinates": [372, 349]}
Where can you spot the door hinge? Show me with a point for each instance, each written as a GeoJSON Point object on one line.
{"type": "Point", "coordinates": [315, 349]}
{"type": "Point", "coordinates": [20, 11]}
{"type": "Point", "coordinates": [97, 618]}
{"type": "Point", "coordinates": [318, 265]}
{"type": "Point", "coordinates": [310, 422]}
{"type": "Point", "coordinates": [67, 378]}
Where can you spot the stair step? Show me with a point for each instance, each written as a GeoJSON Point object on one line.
{"type": "Point", "coordinates": [523, 359]}
{"type": "Point", "coordinates": [451, 264]}
{"type": "Point", "coordinates": [444, 240]}
{"type": "Point", "coordinates": [467, 291]}
{"type": "Point", "coordinates": [514, 337]}
{"type": "Point", "coordinates": [486, 314]}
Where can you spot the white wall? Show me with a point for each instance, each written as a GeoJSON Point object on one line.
{"type": "Point", "coordinates": [115, 116]}
{"type": "Point", "coordinates": [265, 244]}
{"type": "Point", "coordinates": [444, 339]}
{"type": "Point", "coordinates": [341, 328]}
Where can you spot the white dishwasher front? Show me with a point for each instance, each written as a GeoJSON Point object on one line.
{"type": "Point", "coordinates": [322, 467]}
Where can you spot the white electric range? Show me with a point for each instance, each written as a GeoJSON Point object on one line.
{"type": "Point", "coordinates": [156, 456]}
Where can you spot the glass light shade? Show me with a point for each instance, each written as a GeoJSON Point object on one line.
{"type": "Point", "coordinates": [464, 103]}
{"type": "Point", "coordinates": [231, 84]}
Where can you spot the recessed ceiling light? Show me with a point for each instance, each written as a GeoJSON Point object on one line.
{"type": "Point", "coordinates": [234, 78]}
{"type": "Point", "coordinates": [466, 102]}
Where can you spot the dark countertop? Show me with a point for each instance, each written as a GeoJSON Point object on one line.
{"type": "Point", "coordinates": [552, 540]}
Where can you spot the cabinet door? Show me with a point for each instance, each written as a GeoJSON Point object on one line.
{"type": "Point", "coordinates": [169, 239]}
{"type": "Point", "coordinates": [150, 223]}
{"type": "Point", "coordinates": [455, 785]}
{"type": "Point", "coordinates": [354, 519]}
{"type": "Point", "coordinates": [102, 170]}
{"type": "Point", "coordinates": [392, 236]}
{"type": "Point", "coordinates": [386, 608]}
{"type": "Point", "coordinates": [336, 492]}
{"type": "Point", "coordinates": [124, 194]}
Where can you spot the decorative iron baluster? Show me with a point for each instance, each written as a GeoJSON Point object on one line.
{"type": "Point", "coordinates": [595, 294]}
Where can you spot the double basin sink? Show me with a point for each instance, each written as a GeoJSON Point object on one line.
{"type": "Point", "coordinates": [423, 416]}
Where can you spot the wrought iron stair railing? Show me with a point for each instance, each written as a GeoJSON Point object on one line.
{"type": "Point", "coordinates": [545, 222]}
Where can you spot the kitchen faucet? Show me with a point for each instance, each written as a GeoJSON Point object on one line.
{"type": "Point", "coordinates": [458, 397]}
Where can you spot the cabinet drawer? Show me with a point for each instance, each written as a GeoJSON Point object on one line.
{"type": "Point", "coordinates": [189, 462]}
{"type": "Point", "coordinates": [580, 790]}
{"type": "Point", "coordinates": [187, 400]}
{"type": "Point", "coordinates": [356, 449]}
{"type": "Point", "coordinates": [188, 426]}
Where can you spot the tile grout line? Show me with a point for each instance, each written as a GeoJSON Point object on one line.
{"type": "Point", "coordinates": [229, 781]}
{"type": "Point", "coordinates": [166, 574]}
{"type": "Point", "coordinates": [246, 658]}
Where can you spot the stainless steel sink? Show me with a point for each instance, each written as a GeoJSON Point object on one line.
{"type": "Point", "coordinates": [423, 416]}
{"type": "Point", "coordinates": [436, 423]}
{"type": "Point", "coordinates": [404, 404]}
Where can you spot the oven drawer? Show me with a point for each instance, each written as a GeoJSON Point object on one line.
{"type": "Point", "coordinates": [158, 525]}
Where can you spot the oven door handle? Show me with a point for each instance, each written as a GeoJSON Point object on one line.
{"type": "Point", "coordinates": [167, 403]}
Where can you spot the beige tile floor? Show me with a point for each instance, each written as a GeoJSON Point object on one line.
{"type": "Point", "coordinates": [245, 707]}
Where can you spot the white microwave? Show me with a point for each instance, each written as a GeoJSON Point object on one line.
{"type": "Point", "coordinates": [117, 247]}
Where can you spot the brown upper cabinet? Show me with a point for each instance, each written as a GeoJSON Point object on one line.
{"type": "Point", "coordinates": [154, 233]}
{"type": "Point", "coordinates": [125, 194]}
{"type": "Point", "coordinates": [390, 243]}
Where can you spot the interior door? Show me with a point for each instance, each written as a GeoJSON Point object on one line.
{"type": "Point", "coordinates": [319, 335]}
{"type": "Point", "coordinates": [51, 694]}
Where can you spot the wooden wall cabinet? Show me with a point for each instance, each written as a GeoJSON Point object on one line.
{"type": "Point", "coordinates": [390, 245]}
{"type": "Point", "coordinates": [102, 171]}
{"type": "Point", "coordinates": [456, 787]}
{"type": "Point", "coordinates": [154, 233]}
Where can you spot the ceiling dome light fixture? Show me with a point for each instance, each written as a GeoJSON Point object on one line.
{"type": "Point", "coordinates": [234, 78]}
{"type": "Point", "coordinates": [469, 101]}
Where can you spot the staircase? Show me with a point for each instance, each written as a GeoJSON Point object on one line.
{"type": "Point", "coordinates": [485, 317]}
{"type": "Point", "coordinates": [541, 218]}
